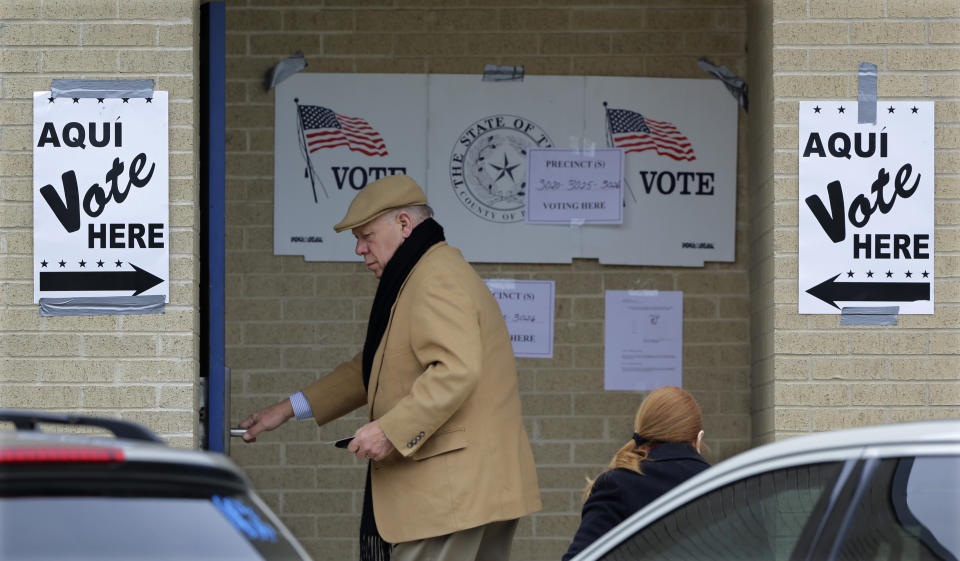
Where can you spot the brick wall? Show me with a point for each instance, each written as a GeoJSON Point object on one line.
{"type": "Point", "coordinates": [142, 368]}
{"type": "Point", "coordinates": [289, 322]}
{"type": "Point", "coordinates": [827, 376]}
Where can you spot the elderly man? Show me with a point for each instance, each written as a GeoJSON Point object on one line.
{"type": "Point", "coordinates": [451, 468]}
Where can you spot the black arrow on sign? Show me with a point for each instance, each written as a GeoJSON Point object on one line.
{"type": "Point", "coordinates": [137, 280]}
{"type": "Point", "coordinates": [830, 291]}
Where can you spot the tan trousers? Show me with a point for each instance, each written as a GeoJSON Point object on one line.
{"type": "Point", "coordinates": [490, 542]}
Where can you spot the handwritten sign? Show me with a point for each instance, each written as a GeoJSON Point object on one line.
{"type": "Point", "coordinates": [643, 343]}
{"type": "Point", "coordinates": [866, 207]}
{"type": "Point", "coordinates": [567, 186]}
{"type": "Point", "coordinates": [101, 219]}
{"type": "Point", "coordinates": [527, 308]}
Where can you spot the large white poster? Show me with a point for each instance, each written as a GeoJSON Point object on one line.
{"type": "Point", "coordinates": [465, 141]}
{"type": "Point", "coordinates": [866, 207]}
{"type": "Point", "coordinates": [101, 219]}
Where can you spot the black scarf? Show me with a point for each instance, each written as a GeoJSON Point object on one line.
{"type": "Point", "coordinates": [427, 234]}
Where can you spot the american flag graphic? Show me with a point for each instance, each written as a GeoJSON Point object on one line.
{"type": "Point", "coordinates": [322, 128]}
{"type": "Point", "coordinates": [635, 133]}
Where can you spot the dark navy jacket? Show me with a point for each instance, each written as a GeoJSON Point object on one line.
{"type": "Point", "coordinates": [619, 493]}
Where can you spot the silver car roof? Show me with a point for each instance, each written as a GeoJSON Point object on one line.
{"type": "Point", "coordinates": [904, 439]}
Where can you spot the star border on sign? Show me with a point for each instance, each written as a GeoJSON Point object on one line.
{"type": "Point", "coordinates": [816, 109]}
{"type": "Point", "coordinates": [76, 100]}
{"type": "Point", "coordinates": [914, 109]}
{"type": "Point", "coordinates": [43, 263]}
{"type": "Point", "coordinates": [849, 274]}
{"type": "Point", "coordinates": [100, 263]}
{"type": "Point", "coordinates": [926, 274]}
{"type": "Point", "coordinates": [869, 274]}
{"type": "Point", "coordinates": [83, 263]}
{"type": "Point", "coordinates": [62, 263]}
{"type": "Point", "coordinates": [890, 109]}
{"type": "Point", "coordinates": [908, 274]}
{"type": "Point", "coordinates": [841, 109]}
{"type": "Point", "coordinates": [118, 263]}
{"type": "Point", "coordinates": [889, 274]}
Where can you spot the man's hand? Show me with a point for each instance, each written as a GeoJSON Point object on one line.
{"type": "Point", "coordinates": [370, 442]}
{"type": "Point", "coordinates": [267, 418]}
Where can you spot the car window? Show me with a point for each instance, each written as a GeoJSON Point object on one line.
{"type": "Point", "coordinates": [757, 518]}
{"type": "Point", "coordinates": [146, 528]}
{"type": "Point", "coordinates": [909, 509]}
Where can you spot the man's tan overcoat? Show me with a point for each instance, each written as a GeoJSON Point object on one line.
{"type": "Point", "coordinates": [444, 386]}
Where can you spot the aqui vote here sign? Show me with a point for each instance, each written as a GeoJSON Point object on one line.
{"type": "Point", "coordinates": [100, 197]}
{"type": "Point", "coordinates": [866, 207]}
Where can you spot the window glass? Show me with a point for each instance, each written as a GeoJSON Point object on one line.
{"type": "Point", "coordinates": [145, 528]}
{"type": "Point", "coordinates": [760, 518]}
{"type": "Point", "coordinates": [909, 510]}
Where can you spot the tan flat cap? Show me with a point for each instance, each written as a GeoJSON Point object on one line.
{"type": "Point", "coordinates": [388, 193]}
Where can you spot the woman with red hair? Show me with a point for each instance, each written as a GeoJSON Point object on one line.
{"type": "Point", "coordinates": [663, 453]}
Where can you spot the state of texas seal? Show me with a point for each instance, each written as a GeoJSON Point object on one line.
{"type": "Point", "coordinates": [488, 166]}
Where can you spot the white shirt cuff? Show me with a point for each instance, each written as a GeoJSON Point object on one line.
{"type": "Point", "coordinates": [301, 407]}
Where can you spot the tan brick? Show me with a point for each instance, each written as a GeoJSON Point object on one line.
{"type": "Point", "coordinates": [788, 9]}
{"type": "Point", "coordinates": [785, 34]}
{"type": "Point", "coordinates": [73, 60]}
{"type": "Point", "coordinates": [314, 502]}
{"type": "Point", "coordinates": [654, 42]}
{"type": "Point", "coordinates": [888, 343]}
{"type": "Point", "coordinates": [843, 59]}
{"type": "Point", "coordinates": [41, 34]}
{"type": "Point", "coordinates": [40, 397]}
{"type": "Point", "coordinates": [945, 343]}
{"type": "Point", "coordinates": [812, 394]}
{"type": "Point", "coordinates": [119, 345]}
{"type": "Point", "coordinates": [596, 19]}
{"type": "Point", "coordinates": [18, 370]}
{"type": "Point", "coordinates": [924, 59]}
{"type": "Point", "coordinates": [286, 44]}
{"type": "Point", "coordinates": [124, 34]}
{"type": "Point", "coordinates": [112, 397]}
{"type": "Point", "coordinates": [71, 10]}
{"type": "Point", "coordinates": [835, 418]}
{"type": "Point", "coordinates": [789, 59]}
{"type": "Point", "coordinates": [26, 9]}
{"type": "Point", "coordinates": [887, 394]}
{"type": "Point", "coordinates": [843, 368]}
{"type": "Point", "coordinates": [19, 60]}
{"type": "Point", "coordinates": [39, 345]}
{"type": "Point", "coordinates": [145, 9]}
{"type": "Point", "coordinates": [891, 84]}
{"type": "Point", "coordinates": [885, 32]}
{"type": "Point", "coordinates": [856, 9]}
{"type": "Point", "coordinates": [714, 42]}
{"type": "Point", "coordinates": [300, 19]}
{"type": "Point", "coordinates": [925, 9]}
{"type": "Point", "coordinates": [157, 61]}
{"type": "Point", "coordinates": [379, 44]}
{"type": "Point", "coordinates": [793, 419]}
{"type": "Point", "coordinates": [176, 35]}
{"type": "Point", "coordinates": [812, 86]}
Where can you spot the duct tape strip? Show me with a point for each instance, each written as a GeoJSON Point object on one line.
{"type": "Point", "coordinates": [496, 73]}
{"type": "Point", "coordinates": [867, 94]}
{"type": "Point", "coordinates": [113, 89]}
{"type": "Point", "coordinates": [102, 305]}
{"type": "Point", "coordinates": [735, 84]}
{"type": "Point", "coordinates": [284, 69]}
{"type": "Point", "coordinates": [879, 315]}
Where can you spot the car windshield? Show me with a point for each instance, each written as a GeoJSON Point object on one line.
{"type": "Point", "coordinates": [172, 528]}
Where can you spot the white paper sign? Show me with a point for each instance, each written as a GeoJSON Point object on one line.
{"type": "Point", "coordinates": [643, 340]}
{"type": "Point", "coordinates": [465, 142]}
{"type": "Point", "coordinates": [570, 185]}
{"type": "Point", "coordinates": [527, 308]}
{"type": "Point", "coordinates": [866, 207]}
{"type": "Point", "coordinates": [101, 218]}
